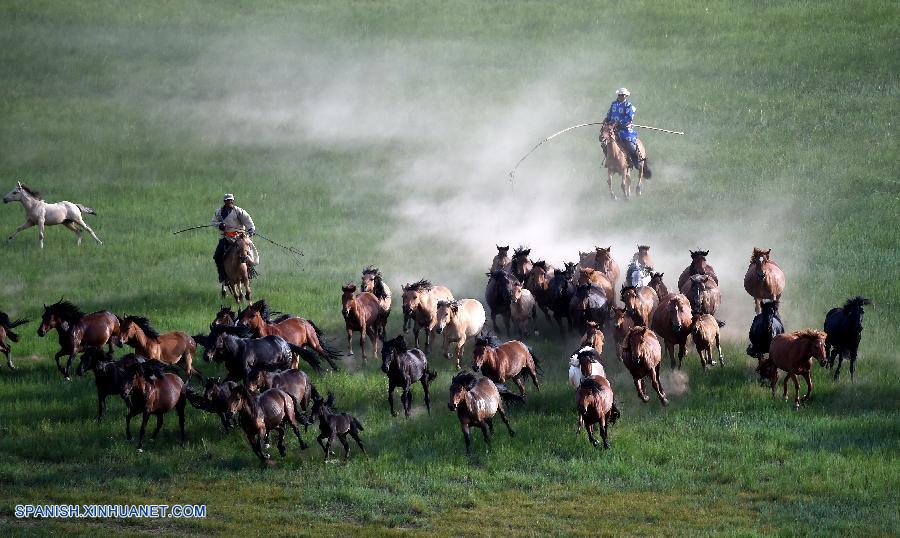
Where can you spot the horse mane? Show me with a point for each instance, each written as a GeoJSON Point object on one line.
{"type": "Point", "coordinates": [856, 302]}
{"type": "Point", "coordinates": [422, 285]}
{"type": "Point", "coordinates": [465, 379]}
{"type": "Point", "coordinates": [643, 247]}
{"type": "Point", "coordinates": [699, 253]}
{"type": "Point", "coordinates": [521, 250]}
{"type": "Point", "coordinates": [30, 191]}
{"type": "Point", "coordinates": [812, 334]}
{"type": "Point", "coordinates": [592, 385]}
{"type": "Point", "coordinates": [145, 326]}
{"type": "Point", "coordinates": [240, 331]}
{"type": "Point", "coordinates": [398, 343]}
{"type": "Point", "coordinates": [66, 310]}
{"type": "Point", "coordinates": [542, 264]}
{"type": "Point", "coordinates": [770, 303]}
{"type": "Point", "coordinates": [487, 339]}
{"type": "Point", "coordinates": [757, 252]}
{"type": "Point", "coordinates": [372, 270]}
{"type": "Point", "coordinates": [262, 307]}
{"type": "Point", "coordinates": [249, 399]}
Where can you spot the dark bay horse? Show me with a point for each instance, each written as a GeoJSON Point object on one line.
{"type": "Point", "coordinates": [498, 295]}
{"type": "Point", "coordinates": [672, 321]}
{"type": "Point", "coordinates": [148, 392]}
{"type": "Point", "coordinates": [764, 279]}
{"type": "Point", "coordinates": [765, 326]}
{"type": "Point", "coordinates": [844, 328]}
{"type": "Point", "coordinates": [642, 355]}
{"type": "Point", "coordinates": [261, 414]}
{"type": "Point", "coordinates": [363, 313]}
{"type": "Point", "coordinates": [6, 332]}
{"type": "Point", "coordinates": [521, 265]}
{"type": "Point", "coordinates": [538, 283]}
{"type": "Point", "coordinates": [294, 382]}
{"type": "Point", "coordinates": [698, 266]}
{"type": "Point", "coordinates": [174, 347]}
{"type": "Point", "coordinates": [334, 425]}
{"type": "Point", "coordinates": [594, 401]}
{"type": "Point", "coordinates": [656, 283]}
{"type": "Point", "coordinates": [509, 360]}
{"type": "Point", "coordinates": [404, 367]}
{"type": "Point", "coordinates": [241, 354]}
{"type": "Point", "coordinates": [560, 292]}
{"type": "Point", "coordinates": [78, 331]}
{"type": "Point", "coordinates": [476, 401]}
{"type": "Point", "coordinates": [793, 353]}
{"type": "Point", "coordinates": [225, 316]}
{"type": "Point", "coordinates": [297, 331]}
{"type": "Point", "coordinates": [110, 375]}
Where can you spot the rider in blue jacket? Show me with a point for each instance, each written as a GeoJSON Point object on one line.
{"type": "Point", "coordinates": [621, 112]}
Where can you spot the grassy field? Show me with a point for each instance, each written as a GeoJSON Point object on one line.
{"type": "Point", "coordinates": [383, 132]}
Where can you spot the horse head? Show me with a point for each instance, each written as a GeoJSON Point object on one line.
{"type": "Point", "coordinates": [459, 386]}
{"type": "Point", "coordinates": [483, 349]}
{"type": "Point", "coordinates": [679, 313]}
{"type": "Point", "coordinates": [699, 286]}
{"type": "Point", "coordinates": [369, 275]}
{"type": "Point", "coordinates": [759, 259]}
{"type": "Point", "coordinates": [853, 310]}
{"type": "Point", "coordinates": [347, 298]}
{"type": "Point", "coordinates": [14, 195]}
{"type": "Point", "coordinates": [446, 310]}
{"type": "Point", "coordinates": [390, 349]}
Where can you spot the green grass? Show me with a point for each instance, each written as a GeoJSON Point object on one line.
{"type": "Point", "coordinates": [369, 132]}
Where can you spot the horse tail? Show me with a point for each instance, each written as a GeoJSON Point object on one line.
{"type": "Point", "coordinates": [614, 414]}
{"type": "Point", "coordinates": [307, 355]}
{"type": "Point", "coordinates": [86, 209]}
{"type": "Point", "coordinates": [356, 423]}
{"type": "Point", "coordinates": [537, 363]}
{"type": "Point", "coordinates": [430, 375]}
{"type": "Point", "coordinates": [507, 395]}
{"type": "Point", "coordinates": [14, 324]}
{"type": "Point", "coordinates": [720, 323]}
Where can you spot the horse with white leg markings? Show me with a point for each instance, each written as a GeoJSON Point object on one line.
{"type": "Point", "coordinates": [39, 213]}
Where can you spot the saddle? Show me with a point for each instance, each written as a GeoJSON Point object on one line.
{"type": "Point", "coordinates": [231, 244]}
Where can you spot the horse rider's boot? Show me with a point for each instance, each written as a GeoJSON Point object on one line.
{"type": "Point", "coordinates": [221, 270]}
{"type": "Point", "coordinates": [633, 154]}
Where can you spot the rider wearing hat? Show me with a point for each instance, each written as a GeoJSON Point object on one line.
{"type": "Point", "coordinates": [621, 113]}
{"type": "Point", "coordinates": [231, 221]}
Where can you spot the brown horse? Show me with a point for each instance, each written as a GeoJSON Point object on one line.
{"type": "Point", "coordinates": [639, 303]}
{"type": "Point", "coordinates": [642, 356]}
{"type": "Point", "coordinates": [261, 414]}
{"type": "Point", "coordinates": [78, 331]}
{"type": "Point", "coordinates": [589, 275]}
{"type": "Point", "coordinates": [225, 316]}
{"type": "Point", "coordinates": [237, 268]}
{"type": "Point", "coordinates": [764, 279]}
{"type": "Point", "coordinates": [622, 324]}
{"type": "Point", "coordinates": [373, 282]}
{"type": "Point", "coordinates": [501, 261]}
{"type": "Point", "coordinates": [703, 293]}
{"type": "Point", "coordinates": [698, 266]}
{"type": "Point", "coordinates": [6, 331]}
{"type": "Point", "coordinates": [509, 360]}
{"type": "Point", "coordinates": [538, 283]}
{"type": "Point", "coordinates": [593, 337]}
{"type": "Point", "coordinates": [594, 401]}
{"type": "Point", "coordinates": [617, 162]}
{"type": "Point", "coordinates": [420, 301]}
{"type": "Point", "coordinates": [298, 331]}
{"type": "Point", "coordinates": [672, 321]}
{"type": "Point", "coordinates": [604, 262]}
{"type": "Point", "coordinates": [656, 282]}
{"type": "Point", "coordinates": [175, 347]}
{"type": "Point", "coordinates": [476, 401]}
{"type": "Point", "coordinates": [705, 332]}
{"type": "Point", "coordinates": [793, 353]}
{"type": "Point", "coordinates": [363, 313]}
{"type": "Point", "coordinates": [521, 265]}
{"type": "Point", "coordinates": [150, 393]}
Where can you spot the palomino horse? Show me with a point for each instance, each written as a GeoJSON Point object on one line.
{"type": "Point", "coordinates": [420, 301]}
{"type": "Point", "coordinates": [705, 332]}
{"type": "Point", "coordinates": [149, 392]}
{"type": "Point", "coordinates": [335, 425]}
{"type": "Point", "coordinates": [498, 297]}
{"type": "Point", "coordinates": [793, 353]}
{"type": "Point", "coordinates": [639, 303]}
{"type": "Point", "coordinates": [604, 262]}
{"type": "Point", "coordinates": [373, 282]}
{"type": "Point", "coordinates": [297, 331]}
{"type": "Point", "coordinates": [703, 293]}
{"type": "Point", "coordinates": [584, 363]}
{"type": "Point", "coordinates": [261, 414]}
{"type": "Point", "coordinates": [509, 360]}
{"type": "Point", "coordinates": [522, 308]}
{"type": "Point", "coordinates": [457, 321]}
{"type": "Point", "coordinates": [6, 331]}
{"type": "Point", "coordinates": [642, 355]}
{"type": "Point", "coordinates": [698, 266]}
{"type": "Point", "coordinates": [237, 268]}
{"type": "Point", "coordinates": [764, 279]}
{"type": "Point", "coordinates": [501, 261]}
{"type": "Point", "coordinates": [617, 162]}
{"type": "Point", "coordinates": [363, 313]}
{"type": "Point", "coordinates": [538, 283]}
{"type": "Point", "coordinates": [844, 327]}
{"type": "Point", "coordinates": [672, 321]}
{"type": "Point", "coordinates": [521, 265]}
{"type": "Point", "coordinates": [39, 213]}
{"type": "Point", "coordinates": [594, 401]}
{"type": "Point", "coordinates": [404, 367]}
{"type": "Point", "coordinates": [476, 401]}
{"type": "Point", "coordinates": [622, 324]}
{"type": "Point", "coordinates": [78, 331]}
{"type": "Point", "coordinates": [174, 347]}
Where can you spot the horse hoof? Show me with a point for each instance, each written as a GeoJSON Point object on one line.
{"type": "Point", "coordinates": [140, 450]}
{"type": "Point", "coordinates": [68, 378]}
{"type": "Point", "coordinates": [613, 196]}
{"type": "Point", "coordinates": [394, 413]}
{"type": "Point", "coordinates": [645, 399]}
{"type": "Point", "coordinates": [712, 363]}
{"type": "Point", "coordinates": [665, 402]}
{"type": "Point", "coordinates": [267, 446]}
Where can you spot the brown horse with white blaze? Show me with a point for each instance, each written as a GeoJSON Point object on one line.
{"type": "Point", "coordinates": [363, 313]}
{"type": "Point", "coordinates": [642, 355]}
{"type": "Point", "coordinates": [764, 278]}
{"type": "Point", "coordinates": [793, 353]}
{"type": "Point", "coordinates": [500, 362]}
{"type": "Point", "coordinates": [420, 301]}
{"type": "Point", "coordinates": [169, 348]}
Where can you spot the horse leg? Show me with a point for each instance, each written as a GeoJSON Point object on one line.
{"type": "Point", "coordinates": [179, 408]}
{"type": "Point", "coordinates": [80, 221]}
{"type": "Point", "coordinates": [796, 390]}
{"type": "Point", "coordinates": [407, 398]}
{"type": "Point", "coordinates": [639, 384]}
{"type": "Point", "coordinates": [484, 432]}
{"type": "Point", "coordinates": [505, 419]}
{"type": "Point", "coordinates": [281, 450]}
{"type": "Point", "coordinates": [719, 349]}
{"type": "Point", "coordinates": [41, 232]}
{"type": "Point", "coordinates": [69, 364]}
{"type": "Point", "coordinates": [681, 354]}
{"type": "Point", "coordinates": [787, 376]}
{"type": "Point", "coordinates": [640, 172]}
{"type": "Point", "coordinates": [159, 423]}
{"type": "Point", "coordinates": [840, 357]}
{"type": "Point", "coordinates": [331, 439]}
{"type": "Point", "coordinates": [71, 225]}
{"type": "Point", "coordinates": [657, 386]}
{"type": "Point", "coordinates": [670, 351]}
{"type": "Point", "coordinates": [490, 425]}
{"type": "Point", "coordinates": [852, 364]}
{"type": "Point", "coordinates": [391, 388]}
{"type": "Point", "coordinates": [590, 432]}
{"type": "Point", "coordinates": [532, 372]}
{"type": "Point", "coordinates": [8, 359]}
{"type": "Point", "coordinates": [626, 185]}
{"type": "Point", "coordinates": [459, 350]}
{"type": "Point", "coordinates": [519, 384]}
{"type": "Point", "coordinates": [604, 426]}
{"type": "Point", "coordinates": [128, 415]}
{"type": "Point", "coordinates": [27, 224]}
{"type": "Point", "coordinates": [362, 340]}
{"type": "Point", "coordinates": [144, 419]}
{"type": "Point", "coordinates": [343, 440]}
{"type": "Point", "coordinates": [808, 380]}
{"type": "Point", "coordinates": [609, 176]}
{"type": "Point", "coordinates": [349, 341]}
{"type": "Point", "coordinates": [101, 407]}
{"type": "Point", "coordinates": [425, 390]}
{"type": "Point", "coordinates": [756, 304]}
{"type": "Point", "coordinates": [467, 437]}
{"type": "Point", "coordinates": [303, 445]}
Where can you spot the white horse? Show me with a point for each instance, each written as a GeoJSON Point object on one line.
{"type": "Point", "coordinates": [637, 274]}
{"type": "Point", "coordinates": [39, 213]}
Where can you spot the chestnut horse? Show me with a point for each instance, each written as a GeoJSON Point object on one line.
{"type": "Point", "coordinates": [373, 282]}
{"type": "Point", "coordinates": [764, 279]}
{"type": "Point", "coordinates": [672, 321]}
{"type": "Point", "coordinates": [589, 275]}
{"type": "Point", "coordinates": [147, 392]}
{"type": "Point", "coordinates": [656, 282]}
{"type": "Point", "coordinates": [604, 263]}
{"type": "Point", "coordinates": [538, 283]}
{"type": "Point", "coordinates": [298, 331]}
{"type": "Point", "coordinates": [6, 331]}
{"type": "Point", "coordinates": [237, 268]}
{"type": "Point", "coordinates": [617, 162]}
{"type": "Point", "coordinates": [698, 266]}
{"type": "Point", "coordinates": [639, 303]}
{"type": "Point", "coordinates": [175, 347]}
{"type": "Point", "coordinates": [793, 353]}
{"type": "Point", "coordinates": [622, 324]}
{"type": "Point", "coordinates": [363, 313]}
{"type": "Point", "coordinates": [78, 331]}
{"type": "Point", "coordinates": [593, 337]}
{"type": "Point", "coordinates": [420, 301]}
{"type": "Point", "coordinates": [642, 356]}
{"type": "Point", "coordinates": [509, 360]}
{"type": "Point", "coordinates": [261, 414]}
{"type": "Point", "coordinates": [594, 401]}
{"type": "Point", "coordinates": [476, 401]}
{"type": "Point", "coordinates": [703, 293]}
{"type": "Point", "coordinates": [705, 332]}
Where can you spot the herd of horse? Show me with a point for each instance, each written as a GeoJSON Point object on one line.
{"type": "Point", "coordinates": [265, 389]}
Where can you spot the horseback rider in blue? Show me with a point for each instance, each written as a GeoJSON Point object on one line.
{"type": "Point", "coordinates": [231, 221]}
{"type": "Point", "coordinates": [621, 113]}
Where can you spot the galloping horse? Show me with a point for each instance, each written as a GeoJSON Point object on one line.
{"type": "Point", "coordinates": [698, 266]}
{"type": "Point", "coordinates": [39, 213]}
{"type": "Point", "coordinates": [793, 353]}
{"type": "Point", "coordinates": [642, 356]}
{"type": "Point", "coordinates": [622, 324]}
{"type": "Point", "coordinates": [297, 331]}
{"type": "Point", "coordinates": [509, 360]}
{"type": "Point", "coordinates": [149, 392]}
{"type": "Point", "coordinates": [458, 320]}
{"type": "Point", "coordinates": [844, 327]}
{"type": "Point", "coordinates": [476, 401]}
{"type": "Point", "coordinates": [656, 282]}
{"type": "Point", "coordinates": [617, 162]}
{"type": "Point", "coordinates": [639, 303]}
{"type": "Point", "coordinates": [594, 401]}
{"type": "Point", "coordinates": [6, 331]}
{"type": "Point", "coordinates": [703, 293]}
{"type": "Point", "coordinates": [705, 332]}
{"type": "Point", "coordinates": [363, 313]}
{"type": "Point", "coordinates": [169, 348]}
{"type": "Point", "coordinates": [261, 414]}
{"type": "Point", "coordinates": [589, 275]}
{"type": "Point", "coordinates": [373, 282]}
{"type": "Point", "coordinates": [237, 268]}
{"type": "Point", "coordinates": [78, 331]}
{"type": "Point", "coordinates": [498, 296]}
{"type": "Point", "coordinates": [420, 301]}
{"type": "Point", "coordinates": [560, 295]}
{"type": "Point", "coordinates": [589, 303]}
{"type": "Point", "coordinates": [501, 261]}
{"type": "Point", "coordinates": [642, 256]}
{"type": "Point", "coordinates": [604, 262]}
{"type": "Point", "coordinates": [672, 321]}
{"type": "Point", "coordinates": [538, 283]}
{"type": "Point", "coordinates": [765, 326]}
{"type": "Point", "coordinates": [584, 363]}
{"type": "Point", "coordinates": [404, 367]}
{"type": "Point", "coordinates": [764, 279]}
{"type": "Point", "coordinates": [521, 265]}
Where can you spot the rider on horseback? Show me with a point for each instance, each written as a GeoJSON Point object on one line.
{"type": "Point", "coordinates": [621, 114]}
{"type": "Point", "coordinates": [232, 221]}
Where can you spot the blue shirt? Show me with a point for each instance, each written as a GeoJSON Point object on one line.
{"type": "Point", "coordinates": [623, 114]}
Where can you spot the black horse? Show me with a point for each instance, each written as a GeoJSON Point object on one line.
{"type": "Point", "coordinates": [333, 425]}
{"type": "Point", "coordinates": [844, 329]}
{"type": "Point", "coordinates": [110, 375]}
{"type": "Point", "coordinates": [498, 296]}
{"type": "Point", "coordinates": [765, 326]}
{"type": "Point", "coordinates": [241, 354]}
{"type": "Point", "coordinates": [560, 295]}
{"type": "Point", "coordinates": [403, 368]}
{"type": "Point", "coordinates": [216, 399]}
